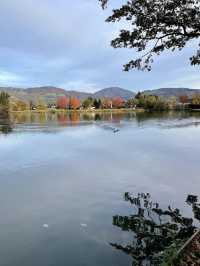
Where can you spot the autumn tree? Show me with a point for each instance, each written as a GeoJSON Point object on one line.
{"type": "Point", "coordinates": [183, 99]}
{"type": "Point", "coordinates": [152, 27]}
{"type": "Point", "coordinates": [172, 103]}
{"type": "Point", "coordinates": [19, 105]}
{"type": "Point", "coordinates": [106, 103]}
{"type": "Point", "coordinates": [62, 102]}
{"type": "Point", "coordinates": [74, 103]}
{"type": "Point", "coordinates": [118, 102]}
{"type": "Point", "coordinates": [40, 104]}
{"type": "Point", "coordinates": [131, 103]}
{"type": "Point", "coordinates": [196, 99]}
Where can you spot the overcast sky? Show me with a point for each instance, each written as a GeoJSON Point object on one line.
{"type": "Point", "coordinates": [66, 43]}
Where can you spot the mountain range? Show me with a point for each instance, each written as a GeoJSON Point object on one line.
{"type": "Point", "coordinates": [49, 94]}
{"type": "Point", "coordinates": [169, 92]}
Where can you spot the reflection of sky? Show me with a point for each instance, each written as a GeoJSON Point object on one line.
{"type": "Point", "coordinates": [78, 176]}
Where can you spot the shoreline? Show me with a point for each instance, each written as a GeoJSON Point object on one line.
{"type": "Point", "coordinates": [54, 111]}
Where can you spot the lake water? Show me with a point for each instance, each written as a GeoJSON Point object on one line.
{"type": "Point", "coordinates": [63, 177]}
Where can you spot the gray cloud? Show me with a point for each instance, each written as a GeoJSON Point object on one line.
{"type": "Point", "coordinates": [66, 43]}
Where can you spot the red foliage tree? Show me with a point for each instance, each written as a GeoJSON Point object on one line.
{"type": "Point", "coordinates": [74, 103]}
{"type": "Point", "coordinates": [118, 102]}
{"type": "Point", "coordinates": [183, 99]}
{"type": "Point", "coordinates": [62, 102]}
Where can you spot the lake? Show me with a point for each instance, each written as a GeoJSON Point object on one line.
{"type": "Point", "coordinates": [63, 177]}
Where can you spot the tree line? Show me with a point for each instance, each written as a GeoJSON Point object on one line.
{"type": "Point", "coordinates": [140, 101]}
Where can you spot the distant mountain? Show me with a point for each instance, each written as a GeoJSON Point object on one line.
{"type": "Point", "coordinates": [168, 92]}
{"type": "Point", "coordinates": [112, 92]}
{"type": "Point", "coordinates": [49, 93]}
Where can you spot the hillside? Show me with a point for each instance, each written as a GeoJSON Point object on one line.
{"type": "Point", "coordinates": [49, 94]}
{"type": "Point", "coordinates": [169, 92]}
{"type": "Point", "coordinates": [112, 92]}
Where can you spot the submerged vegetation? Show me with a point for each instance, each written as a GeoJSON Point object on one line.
{"type": "Point", "coordinates": [158, 233]}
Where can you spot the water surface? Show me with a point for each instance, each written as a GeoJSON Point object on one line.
{"type": "Point", "coordinates": [63, 176]}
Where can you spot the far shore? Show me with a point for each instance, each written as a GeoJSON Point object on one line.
{"type": "Point", "coordinates": [122, 110]}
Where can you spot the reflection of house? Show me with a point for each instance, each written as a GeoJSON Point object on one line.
{"type": "Point", "coordinates": [52, 106]}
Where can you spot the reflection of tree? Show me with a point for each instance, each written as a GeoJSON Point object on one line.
{"type": "Point", "coordinates": [154, 230]}
{"type": "Point", "coordinates": [5, 123]}
{"type": "Point", "coordinates": [97, 117]}
{"type": "Point", "coordinates": [62, 119]}
{"type": "Point", "coordinates": [42, 118]}
{"type": "Point", "coordinates": [149, 117]}
{"type": "Point", "coordinates": [74, 118]}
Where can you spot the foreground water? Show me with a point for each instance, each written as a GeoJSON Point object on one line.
{"type": "Point", "coordinates": [62, 179]}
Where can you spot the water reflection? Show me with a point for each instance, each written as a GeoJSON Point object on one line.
{"type": "Point", "coordinates": [54, 120]}
{"type": "Point", "coordinates": [155, 230]}
{"type": "Point", "coordinates": [5, 123]}
{"type": "Point", "coordinates": [76, 176]}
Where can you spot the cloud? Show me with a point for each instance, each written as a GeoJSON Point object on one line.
{"type": "Point", "coordinates": [68, 43]}
{"type": "Point", "coordinates": [80, 85]}
{"type": "Point", "coordinates": [188, 81]}
{"type": "Point", "coordinates": [10, 78]}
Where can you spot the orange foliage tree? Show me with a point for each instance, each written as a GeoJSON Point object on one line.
{"type": "Point", "coordinates": [118, 102]}
{"type": "Point", "coordinates": [62, 102]}
{"type": "Point", "coordinates": [183, 99]}
{"type": "Point", "coordinates": [74, 103]}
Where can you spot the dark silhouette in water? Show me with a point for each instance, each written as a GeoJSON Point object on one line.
{"type": "Point", "coordinates": [5, 123]}
{"type": "Point", "coordinates": [154, 230]}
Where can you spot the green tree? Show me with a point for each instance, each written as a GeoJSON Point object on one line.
{"type": "Point", "coordinates": [87, 103]}
{"type": "Point", "coordinates": [131, 102]}
{"type": "Point", "coordinates": [4, 99]}
{"type": "Point", "coordinates": [97, 103]}
{"type": "Point", "coordinates": [151, 102]}
{"type": "Point", "coordinates": [153, 27]}
{"type": "Point", "coordinates": [138, 95]}
{"type": "Point", "coordinates": [196, 99]}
